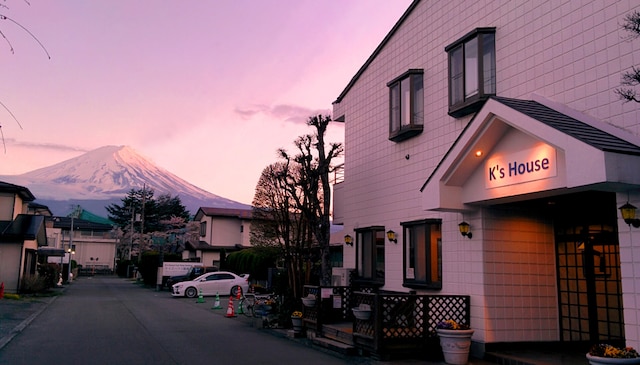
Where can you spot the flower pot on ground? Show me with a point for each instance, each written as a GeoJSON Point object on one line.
{"type": "Point", "coordinates": [602, 354]}
{"type": "Point", "coordinates": [296, 321]}
{"type": "Point", "coordinates": [455, 340]}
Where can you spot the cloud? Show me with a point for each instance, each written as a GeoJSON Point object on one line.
{"type": "Point", "coordinates": [289, 113]}
{"type": "Point", "coordinates": [47, 146]}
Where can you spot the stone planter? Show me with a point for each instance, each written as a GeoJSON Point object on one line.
{"type": "Point", "coordinates": [597, 360]}
{"type": "Point", "coordinates": [455, 345]}
{"type": "Point", "coordinates": [297, 324]}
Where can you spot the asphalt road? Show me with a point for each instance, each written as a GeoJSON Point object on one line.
{"type": "Point", "coordinates": [109, 320]}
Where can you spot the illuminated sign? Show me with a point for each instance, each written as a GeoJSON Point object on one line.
{"type": "Point", "coordinates": [519, 167]}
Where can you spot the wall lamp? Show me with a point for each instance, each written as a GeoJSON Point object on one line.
{"type": "Point", "coordinates": [348, 240]}
{"type": "Point", "coordinates": [628, 212]}
{"type": "Point", "coordinates": [391, 236]}
{"type": "Point", "coordinates": [464, 229]}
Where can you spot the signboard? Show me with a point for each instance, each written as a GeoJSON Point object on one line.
{"type": "Point", "coordinates": [521, 166]}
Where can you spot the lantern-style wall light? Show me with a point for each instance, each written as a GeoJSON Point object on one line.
{"type": "Point", "coordinates": [464, 229]}
{"type": "Point", "coordinates": [391, 236]}
{"type": "Point", "coordinates": [628, 213]}
{"type": "Point", "coordinates": [348, 240]}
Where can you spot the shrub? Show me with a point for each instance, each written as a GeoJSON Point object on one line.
{"type": "Point", "coordinates": [33, 284]}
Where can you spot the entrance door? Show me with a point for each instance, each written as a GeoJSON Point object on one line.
{"type": "Point", "coordinates": [588, 264]}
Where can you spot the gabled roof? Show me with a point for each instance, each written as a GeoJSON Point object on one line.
{"type": "Point", "coordinates": [375, 53]}
{"type": "Point", "coordinates": [571, 126]}
{"type": "Point", "coordinates": [586, 154]}
{"type": "Point", "coordinates": [24, 193]}
{"type": "Point", "coordinates": [26, 227]}
{"type": "Point", "coordinates": [223, 212]}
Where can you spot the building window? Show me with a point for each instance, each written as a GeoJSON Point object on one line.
{"type": "Point", "coordinates": [406, 105]}
{"type": "Point", "coordinates": [370, 254]}
{"type": "Point", "coordinates": [423, 254]}
{"type": "Point", "coordinates": [203, 229]}
{"type": "Point", "coordinates": [472, 71]}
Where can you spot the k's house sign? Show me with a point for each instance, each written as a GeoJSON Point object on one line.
{"type": "Point", "coordinates": [504, 169]}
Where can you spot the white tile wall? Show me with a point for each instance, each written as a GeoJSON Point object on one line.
{"type": "Point", "coordinates": [571, 52]}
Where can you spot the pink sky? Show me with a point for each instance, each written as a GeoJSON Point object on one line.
{"type": "Point", "coordinates": [208, 90]}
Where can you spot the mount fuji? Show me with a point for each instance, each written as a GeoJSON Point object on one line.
{"type": "Point", "coordinates": [104, 176]}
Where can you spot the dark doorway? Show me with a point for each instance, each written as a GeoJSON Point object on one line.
{"type": "Point", "coordinates": [588, 268]}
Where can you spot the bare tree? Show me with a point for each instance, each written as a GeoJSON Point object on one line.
{"type": "Point", "coordinates": [313, 182]}
{"type": "Point", "coordinates": [276, 222]}
{"type": "Point", "coordinates": [631, 79]}
{"type": "Point", "coordinates": [6, 39]}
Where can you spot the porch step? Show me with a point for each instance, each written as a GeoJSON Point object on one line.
{"type": "Point", "coordinates": [338, 332]}
{"type": "Point", "coordinates": [335, 346]}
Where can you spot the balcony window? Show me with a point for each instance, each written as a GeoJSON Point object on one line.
{"type": "Point", "coordinates": [406, 105]}
{"type": "Point", "coordinates": [370, 254]}
{"type": "Point", "coordinates": [422, 241]}
{"type": "Point", "coordinates": [472, 71]}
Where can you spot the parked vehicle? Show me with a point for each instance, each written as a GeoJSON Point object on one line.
{"type": "Point", "coordinates": [193, 273]}
{"type": "Point", "coordinates": [219, 282]}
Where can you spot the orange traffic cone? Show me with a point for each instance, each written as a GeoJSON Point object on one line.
{"type": "Point", "coordinates": [2, 290]}
{"type": "Point", "coordinates": [230, 309]}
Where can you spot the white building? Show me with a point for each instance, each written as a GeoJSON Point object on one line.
{"type": "Point", "coordinates": [501, 114]}
{"type": "Point", "coordinates": [222, 231]}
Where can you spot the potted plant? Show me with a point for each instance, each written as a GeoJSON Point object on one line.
{"type": "Point", "coordinates": [455, 340]}
{"type": "Point", "coordinates": [296, 320]}
{"type": "Point", "coordinates": [363, 312]}
{"type": "Point", "coordinates": [309, 300]}
{"type": "Point", "coordinates": [608, 354]}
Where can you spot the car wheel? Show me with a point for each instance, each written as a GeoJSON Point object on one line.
{"type": "Point", "coordinates": [235, 290]}
{"type": "Point", "coordinates": [191, 292]}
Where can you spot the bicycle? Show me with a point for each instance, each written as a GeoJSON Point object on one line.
{"type": "Point", "coordinates": [246, 304]}
{"type": "Point", "coordinates": [263, 306]}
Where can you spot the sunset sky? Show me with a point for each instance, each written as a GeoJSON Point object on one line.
{"type": "Point", "coordinates": [208, 90]}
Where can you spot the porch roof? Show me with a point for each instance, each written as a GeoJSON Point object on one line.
{"type": "Point", "coordinates": [26, 227]}
{"type": "Point", "coordinates": [587, 153]}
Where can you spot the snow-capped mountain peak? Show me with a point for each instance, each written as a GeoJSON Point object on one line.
{"type": "Point", "coordinates": [109, 173]}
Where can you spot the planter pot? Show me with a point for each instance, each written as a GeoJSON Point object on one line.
{"type": "Point", "coordinates": [309, 302]}
{"type": "Point", "coordinates": [297, 324]}
{"type": "Point", "coordinates": [361, 313]}
{"type": "Point", "coordinates": [597, 360]}
{"type": "Point", "coordinates": [455, 345]}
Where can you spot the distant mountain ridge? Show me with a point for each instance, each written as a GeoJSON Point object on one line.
{"type": "Point", "coordinates": [104, 176]}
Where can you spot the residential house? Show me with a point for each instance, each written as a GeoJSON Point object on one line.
{"type": "Point", "coordinates": [21, 235]}
{"type": "Point", "coordinates": [91, 244]}
{"type": "Point", "coordinates": [222, 230]}
{"type": "Point", "coordinates": [499, 120]}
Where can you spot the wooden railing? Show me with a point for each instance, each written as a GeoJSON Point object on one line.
{"type": "Point", "coordinates": [399, 322]}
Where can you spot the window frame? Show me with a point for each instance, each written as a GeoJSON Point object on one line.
{"type": "Point", "coordinates": [410, 253]}
{"type": "Point", "coordinates": [378, 239]}
{"type": "Point", "coordinates": [399, 128]}
{"type": "Point", "coordinates": [203, 228]}
{"type": "Point", "coordinates": [484, 37]}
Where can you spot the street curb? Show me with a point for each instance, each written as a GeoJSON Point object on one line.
{"type": "Point", "coordinates": [20, 327]}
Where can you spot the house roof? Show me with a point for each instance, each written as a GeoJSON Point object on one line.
{"type": "Point", "coordinates": [40, 209]}
{"type": "Point", "coordinates": [223, 212]}
{"type": "Point", "coordinates": [375, 53]}
{"type": "Point", "coordinates": [204, 246]}
{"type": "Point", "coordinates": [24, 193]}
{"type": "Point", "coordinates": [588, 153]}
{"type": "Point", "coordinates": [80, 224]}
{"type": "Point", "coordinates": [26, 227]}
{"type": "Point", "coordinates": [582, 131]}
